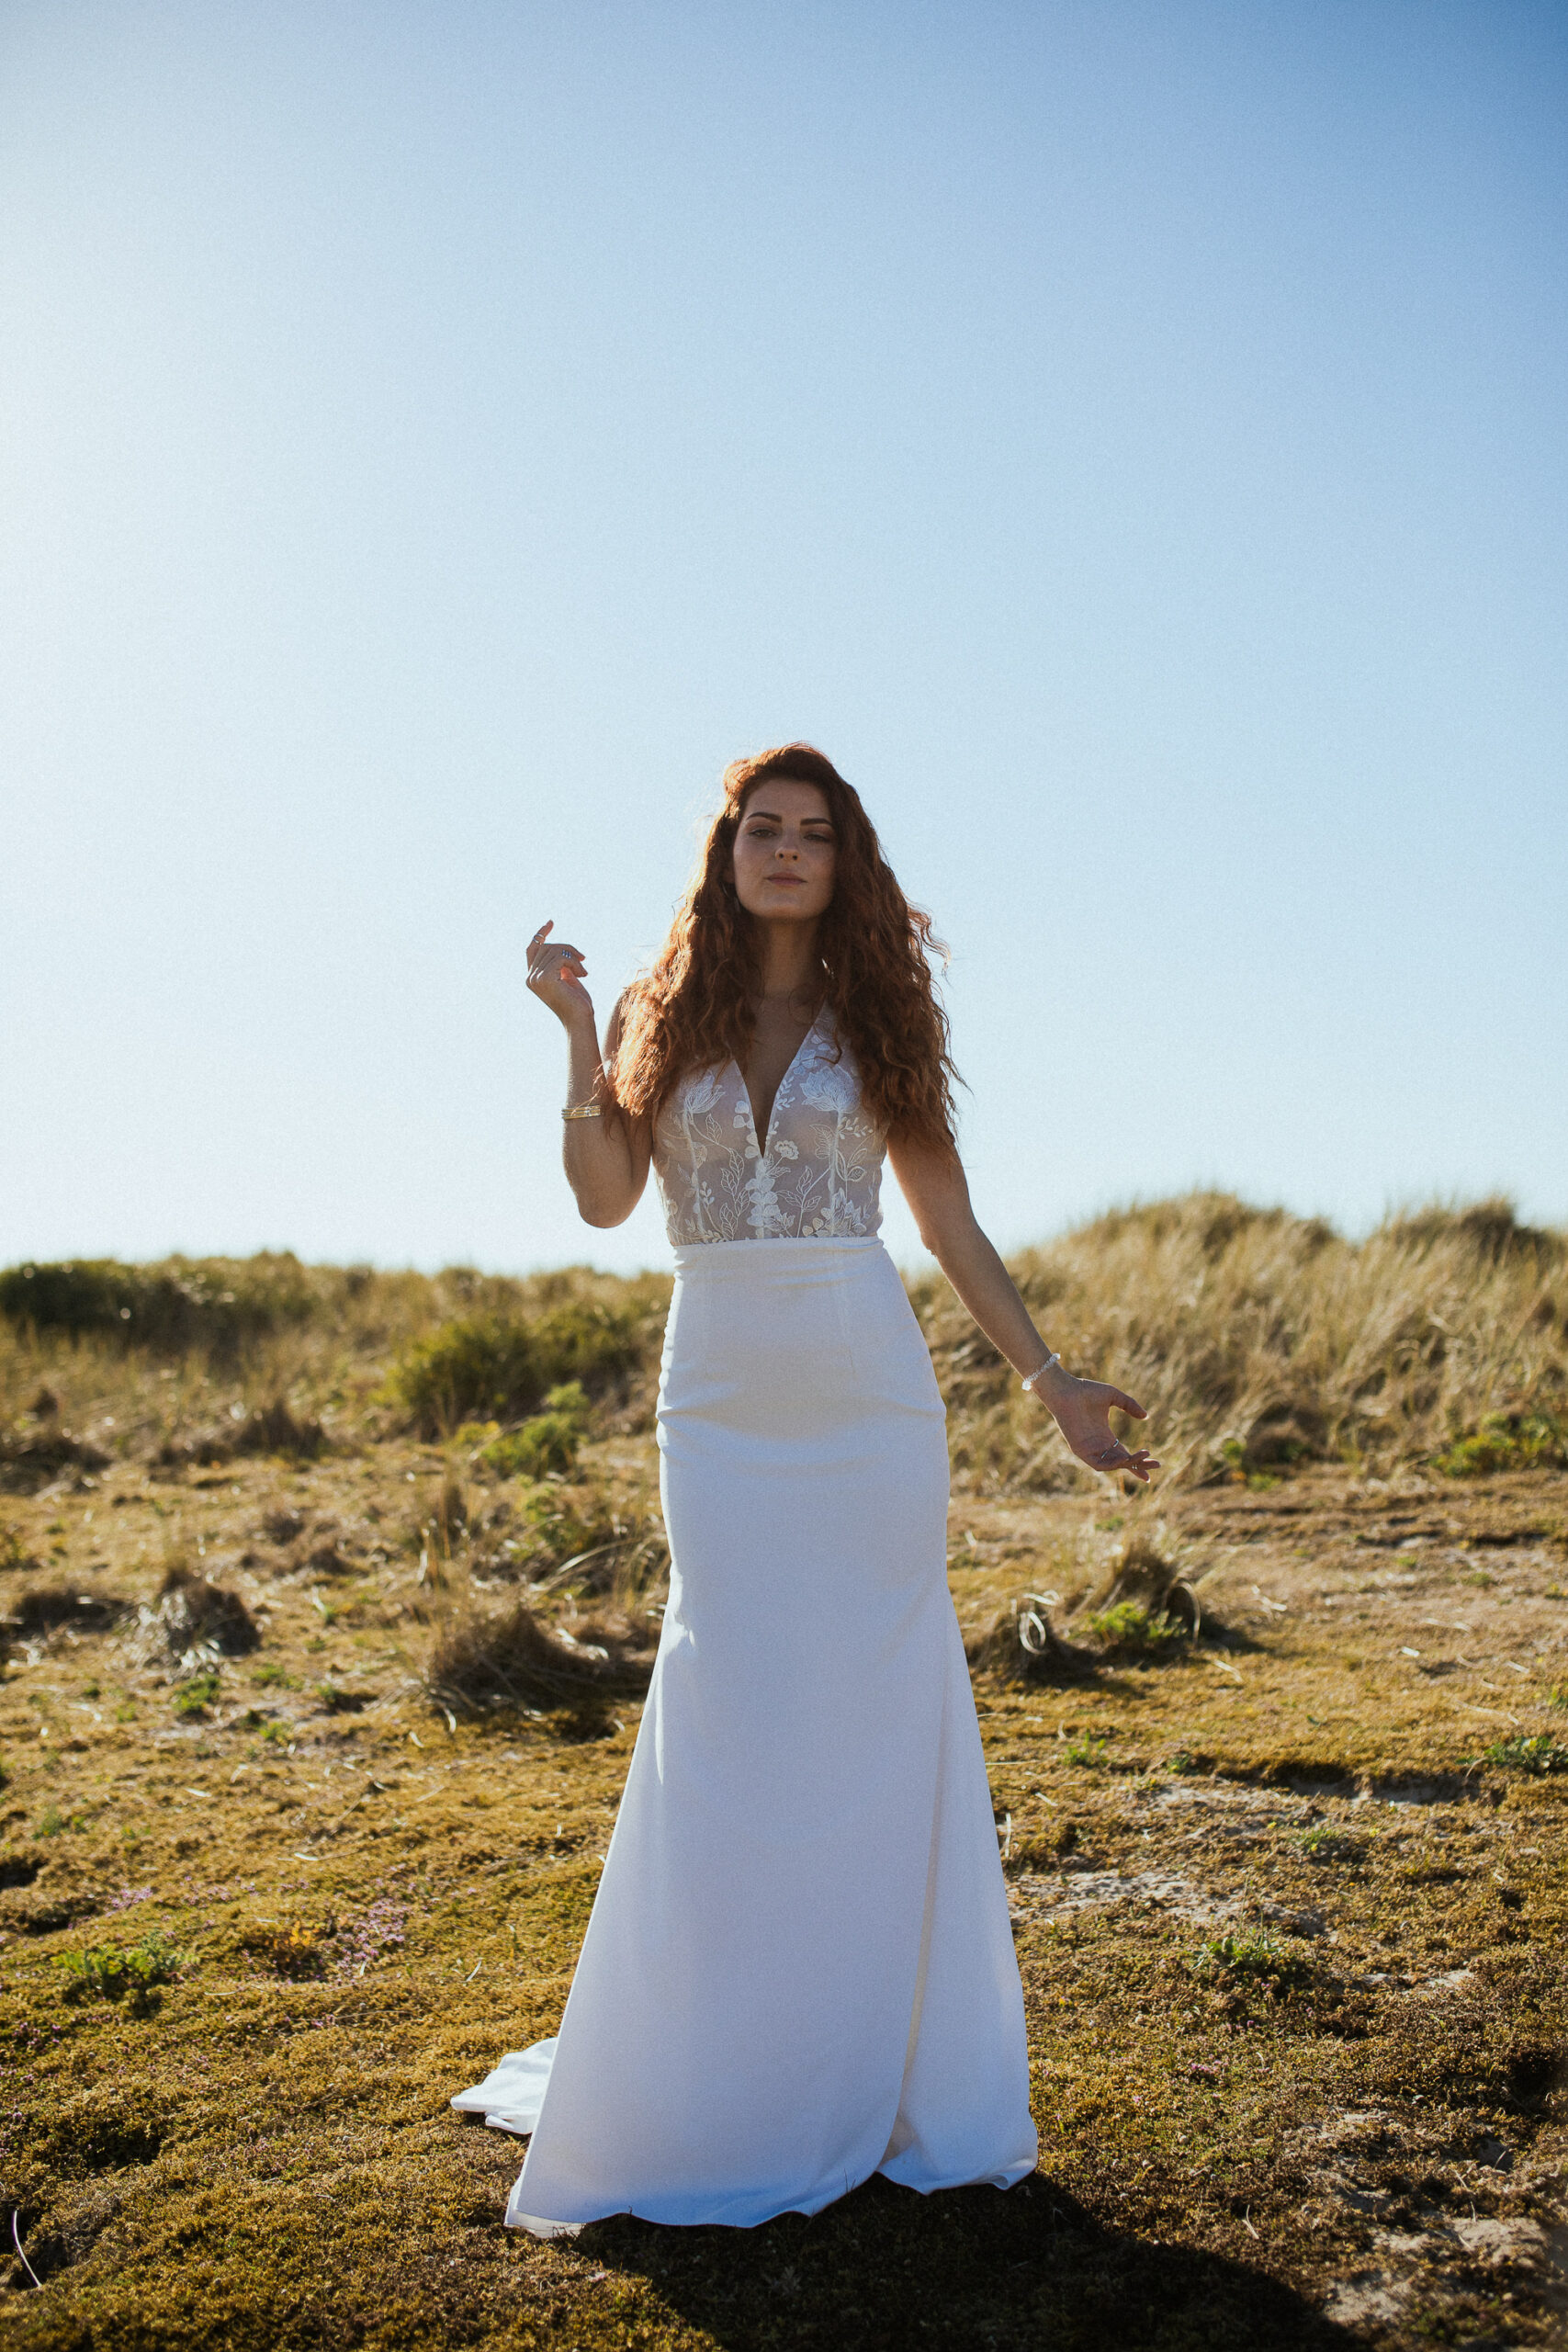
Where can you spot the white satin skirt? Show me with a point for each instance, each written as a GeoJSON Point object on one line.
{"type": "Point", "coordinates": [799, 1968]}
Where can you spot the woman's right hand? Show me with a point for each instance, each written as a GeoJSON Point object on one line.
{"type": "Point", "coordinates": [555, 975]}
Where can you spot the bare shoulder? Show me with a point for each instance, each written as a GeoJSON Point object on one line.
{"type": "Point", "coordinates": [616, 1026]}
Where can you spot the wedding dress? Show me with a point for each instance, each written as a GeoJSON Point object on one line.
{"type": "Point", "coordinates": [799, 1968]}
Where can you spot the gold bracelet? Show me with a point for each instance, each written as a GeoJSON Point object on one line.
{"type": "Point", "coordinates": [584, 1110]}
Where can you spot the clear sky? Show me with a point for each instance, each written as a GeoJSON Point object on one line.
{"type": "Point", "coordinates": [1128, 436]}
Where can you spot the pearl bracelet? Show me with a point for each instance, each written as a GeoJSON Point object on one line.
{"type": "Point", "coordinates": [1034, 1379]}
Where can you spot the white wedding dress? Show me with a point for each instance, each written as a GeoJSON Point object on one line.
{"type": "Point", "coordinates": [799, 1968]}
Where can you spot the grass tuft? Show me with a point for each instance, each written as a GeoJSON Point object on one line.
{"type": "Point", "coordinates": [481, 1657]}
{"type": "Point", "coordinates": [125, 1972]}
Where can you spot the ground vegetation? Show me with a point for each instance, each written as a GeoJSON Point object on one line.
{"type": "Point", "coordinates": [320, 1677]}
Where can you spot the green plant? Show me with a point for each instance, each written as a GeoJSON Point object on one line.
{"type": "Point", "coordinates": [1130, 1627]}
{"type": "Point", "coordinates": [52, 1823]}
{"type": "Point", "coordinates": [1507, 1441]}
{"type": "Point", "coordinates": [196, 1694]}
{"type": "Point", "coordinates": [1540, 1755]}
{"type": "Point", "coordinates": [486, 1367]}
{"type": "Point", "coordinates": [279, 1734]}
{"type": "Point", "coordinates": [270, 1676]}
{"type": "Point", "coordinates": [1086, 1750]}
{"type": "Point", "coordinates": [121, 1972]}
{"type": "Point", "coordinates": [547, 1441]}
{"type": "Point", "coordinates": [1259, 1960]}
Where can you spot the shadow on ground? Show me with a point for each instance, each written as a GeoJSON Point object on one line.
{"type": "Point", "coordinates": [887, 2268]}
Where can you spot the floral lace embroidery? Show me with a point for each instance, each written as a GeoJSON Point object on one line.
{"type": "Point", "coordinates": [820, 1176]}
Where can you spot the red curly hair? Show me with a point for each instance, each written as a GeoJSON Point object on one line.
{"type": "Point", "coordinates": [694, 1008]}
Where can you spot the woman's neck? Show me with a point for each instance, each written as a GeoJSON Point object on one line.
{"type": "Point", "coordinates": [787, 961]}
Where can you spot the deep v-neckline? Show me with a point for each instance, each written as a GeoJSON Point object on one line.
{"type": "Point", "coordinates": [761, 1147]}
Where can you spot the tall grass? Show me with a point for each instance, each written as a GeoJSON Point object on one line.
{"type": "Point", "coordinates": [1256, 1338]}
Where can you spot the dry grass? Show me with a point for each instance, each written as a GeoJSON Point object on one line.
{"type": "Point", "coordinates": [308, 1763]}
{"type": "Point", "coordinates": [1257, 1339]}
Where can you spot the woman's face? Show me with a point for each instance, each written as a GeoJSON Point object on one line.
{"type": "Point", "coordinates": [785, 851]}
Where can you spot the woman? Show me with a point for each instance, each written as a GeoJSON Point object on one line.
{"type": "Point", "coordinates": [799, 1968]}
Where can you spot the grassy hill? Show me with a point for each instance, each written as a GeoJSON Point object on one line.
{"type": "Point", "coordinates": [327, 1600]}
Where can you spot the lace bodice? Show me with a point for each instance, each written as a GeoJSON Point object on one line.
{"type": "Point", "coordinates": [820, 1176]}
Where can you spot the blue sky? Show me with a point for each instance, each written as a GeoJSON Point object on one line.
{"type": "Point", "coordinates": [434, 439]}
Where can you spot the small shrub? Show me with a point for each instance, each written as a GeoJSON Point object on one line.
{"type": "Point", "coordinates": [1540, 1755]}
{"type": "Point", "coordinates": [194, 1695]}
{"type": "Point", "coordinates": [490, 1367]}
{"type": "Point", "coordinates": [216, 1303]}
{"type": "Point", "coordinates": [1086, 1751]}
{"type": "Point", "coordinates": [121, 1972]}
{"type": "Point", "coordinates": [52, 1822]}
{"type": "Point", "coordinates": [1507, 1441]}
{"type": "Point", "coordinates": [1149, 1608]}
{"type": "Point", "coordinates": [547, 1441]}
{"type": "Point", "coordinates": [1131, 1630]}
{"type": "Point", "coordinates": [270, 1676]}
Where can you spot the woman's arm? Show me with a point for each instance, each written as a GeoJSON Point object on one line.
{"type": "Point", "coordinates": [606, 1158]}
{"type": "Point", "coordinates": [934, 1183]}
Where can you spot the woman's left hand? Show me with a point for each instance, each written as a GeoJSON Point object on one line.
{"type": "Point", "coordinates": [1082, 1409]}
